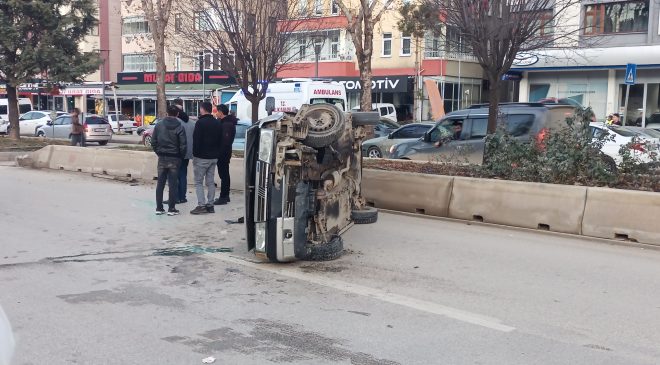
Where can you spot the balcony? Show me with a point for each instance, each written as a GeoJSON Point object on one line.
{"type": "Point", "coordinates": [324, 56]}
{"type": "Point", "coordinates": [449, 55]}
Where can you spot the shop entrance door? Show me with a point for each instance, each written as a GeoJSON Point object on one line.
{"type": "Point", "coordinates": [632, 113]}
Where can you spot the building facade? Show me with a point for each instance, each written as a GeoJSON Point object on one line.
{"type": "Point", "coordinates": [592, 70]}
{"type": "Point", "coordinates": [445, 62]}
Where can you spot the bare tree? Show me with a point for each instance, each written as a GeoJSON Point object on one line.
{"type": "Point", "coordinates": [157, 13]}
{"type": "Point", "coordinates": [499, 31]}
{"type": "Point", "coordinates": [362, 17]}
{"type": "Point", "coordinates": [254, 39]}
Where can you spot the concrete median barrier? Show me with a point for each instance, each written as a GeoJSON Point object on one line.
{"type": "Point", "coordinates": [121, 163]}
{"type": "Point", "coordinates": [72, 158]}
{"type": "Point", "coordinates": [407, 192]}
{"type": "Point", "coordinates": [557, 208]}
{"type": "Point", "coordinates": [622, 214]}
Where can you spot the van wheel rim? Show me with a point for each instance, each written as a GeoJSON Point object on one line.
{"type": "Point", "coordinates": [374, 153]}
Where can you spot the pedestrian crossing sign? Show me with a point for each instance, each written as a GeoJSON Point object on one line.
{"type": "Point", "coordinates": [631, 74]}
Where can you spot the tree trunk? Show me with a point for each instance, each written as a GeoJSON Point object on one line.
{"type": "Point", "coordinates": [12, 107]}
{"type": "Point", "coordinates": [493, 103]}
{"type": "Point", "coordinates": [160, 79]}
{"type": "Point", "coordinates": [365, 93]}
{"type": "Point", "coordinates": [255, 110]}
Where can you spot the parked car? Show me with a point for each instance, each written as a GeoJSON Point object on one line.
{"type": "Point", "coordinates": [462, 134]}
{"type": "Point", "coordinates": [29, 122]}
{"type": "Point", "coordinates": [97, 129]}
{"type": "Point", "coordinates": [654, 126]}
{"type": "Point", "coordinates": [385, 110]}
{"type": "Point", "coordinates": [148, 133]}
{"type": "Point", "coordinates": [123, 122]}
{"type": "Point", "coordinates": [385, 127]}
{"type": "Point", "coordinates": [649, 141]}
{"type": "Point", "coordinates": [239, 140]}
{"type": "Point", "coordinates": [380, 147]}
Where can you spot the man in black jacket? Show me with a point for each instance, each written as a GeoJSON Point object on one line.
{"type": "Point", "coordinates": [228, 125]}
{"type": "Point", "coordinates": [182, 114]}
{"type": "Point", "coordinates": [169, 143]}
{"type": "Point", "coordinates": [206, 150]}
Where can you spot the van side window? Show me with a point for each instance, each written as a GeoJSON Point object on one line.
{"type": "Point", "coordinates": [479, 128]}
{"type": "Point", "coordinates": [519, 124]}
{"type": "Point", "coordinates": [383, 111]}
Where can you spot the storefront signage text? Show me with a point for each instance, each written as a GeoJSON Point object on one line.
{"type": "Point", "coordinates": [379, 85]}
{"type": "Point", "coordinates": [178, 77]}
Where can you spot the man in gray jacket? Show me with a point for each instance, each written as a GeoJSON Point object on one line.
{"type": "Point", "coordinates": [170, 144]}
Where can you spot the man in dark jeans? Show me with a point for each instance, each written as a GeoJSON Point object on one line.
{"type": "Point", "coordinates": [189, 127]}
{"type": "Point", "coordinates": [170, 144]}
{"type": "Point", "coordinates": [228, 124]}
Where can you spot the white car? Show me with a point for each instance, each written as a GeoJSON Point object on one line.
{"type": "Point", "coordinates": [125, 123]}
{"type": "Point", "coordinates": [649, 141]}
{"type": "Point", "coordinates": [31, 121]}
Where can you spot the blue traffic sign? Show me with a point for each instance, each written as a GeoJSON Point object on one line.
{"type": "Point", "coordinates": [631, 74]}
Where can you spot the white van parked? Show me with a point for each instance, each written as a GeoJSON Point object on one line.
{"type": "Point", "coordinates": [289, 95]}
{"type": "Point", "coordinates": [24, 106]}
{"type": "Point", "coordinates": [386, 111]}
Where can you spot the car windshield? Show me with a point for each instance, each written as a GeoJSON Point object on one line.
{"type": "Point", "coordinates": [650, 132]}
{"type": "Point", "coordinates": [95, 120]}
{"type": "Point", "coordinates": [121, 117]}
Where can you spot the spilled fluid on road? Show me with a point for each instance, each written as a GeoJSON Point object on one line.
{"type": "Point", "coordinates": [190, 250]}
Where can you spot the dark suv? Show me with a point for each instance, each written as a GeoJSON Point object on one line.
{"type": "Point", "coordinates": [461, 135]}
{"type": "Point", "coordinates": [303, 174]}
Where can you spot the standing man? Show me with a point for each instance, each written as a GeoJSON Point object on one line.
{"type": "Point", "coordinates": [170, 144]}
{"type": "Point", "coordinates": [183, 170]}
{"type": "Point", "coordinates": [77, 129]}
{"type": "Point", "coordinates": [206, 150]}
{"type": "Point", "coordinates": [228, 126]}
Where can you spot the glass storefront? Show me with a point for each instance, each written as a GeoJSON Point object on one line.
{"type": "Point", "coordinates": [643, 104]}
{"type": "Point", "coordinates": [587, 88]}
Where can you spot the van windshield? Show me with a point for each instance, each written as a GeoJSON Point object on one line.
{"type": "Point", "coordinates": [24, 108]}
{"type": "Point", "coordinates": [336, 102]}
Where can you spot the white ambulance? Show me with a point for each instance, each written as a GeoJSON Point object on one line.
{"type": "Point", "coordinates": [289, 95]}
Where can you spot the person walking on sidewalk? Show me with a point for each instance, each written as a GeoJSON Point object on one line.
{"type": "Point", "coordinates": [77, 129]}
{"type": "Point", "coordinates": [228, 125]}
{"type": "Point", "coordinates": [207, 138]}
{"type": "Point", "coordinates": [170, 144]}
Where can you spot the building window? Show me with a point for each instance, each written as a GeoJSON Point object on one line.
{"type": "Point", "coordinates": [178, 21]}
{"type": "Point", "coordinates": [546, 25]}
{"type": "Point", "coordinates": [139, 62]}
{"type": "Point", "coordinates": [177, 61]}
{"type": "Point", "coordinates": [432, 45]}
{"type": "Point", "coordinates": [334, 47]}
{"type": "Point", "coordinates": [303, 8]}
{"type": "Point", "coordinates": [302, 48]}
{"type": "Point", "coordinates": [405, 44]}
{"type": "Point", "coordinates": [134, 25]}
{"type": "Point", "coordinates": [94, 31]}
{"type": "Point", "coordinates": [620, 17]}
{"type": "Point", "coordinates": [204, 21]}
{"type": "Point", "coordinates": [335, 8]}
{"type": "Point", "coordinates": [318, 7]}
{"type": "Point", "coordinates": [387, 44]}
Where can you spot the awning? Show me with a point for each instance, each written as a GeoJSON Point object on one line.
{"type": "Point", "coordinates": [588, 58]}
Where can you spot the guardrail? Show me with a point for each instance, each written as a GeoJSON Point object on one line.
{"type": "Point", "coordinates": [593, 212]}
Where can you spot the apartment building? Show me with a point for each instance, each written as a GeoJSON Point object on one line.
{"type": "Point", "coordinates": [445, 62]}
{"type": "Point", "coordinates": [591, 70]}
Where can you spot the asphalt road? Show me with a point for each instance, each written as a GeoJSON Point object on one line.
{"type": "Point", "coordinates": [88, 275]}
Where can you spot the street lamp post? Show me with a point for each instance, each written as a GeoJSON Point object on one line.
{"type": "Point", "coordinates": [202, 65]}
{"type": "Point", "coordinates": [318, 47]}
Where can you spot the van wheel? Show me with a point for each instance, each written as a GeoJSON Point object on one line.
{"type": "Point", "coordinates": [103, 143]}
{"type": "Point", "coordinates": [324, 251]}
{"type": "Point", "coordinates": [365, 118]}
{"type": "Point", "coordinates": [326, 123]}
{"type": "Point", "coordinates": [367, 215]}
{"type": "Point", "coordinates": [41, 134]}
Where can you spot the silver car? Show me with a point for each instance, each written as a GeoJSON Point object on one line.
{"type": "Point", "coordinates": [380, 147]}
{"type": "Point", "coordinates": [97, 129]}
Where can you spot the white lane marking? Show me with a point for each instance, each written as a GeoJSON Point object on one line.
{"type": "Point", "coordinates": [421, 305]}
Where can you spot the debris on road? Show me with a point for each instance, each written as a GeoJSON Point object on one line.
{"type": "Point", "coordinates": [208, 360]}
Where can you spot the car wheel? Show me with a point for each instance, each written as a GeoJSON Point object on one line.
{"type": "Point", "coordinates": [147, 141]}
{"type": "Point", "coordinates": [326, 123]}
{"type": "Point", "coordinates": [324, 251]}
{"type": "Point", "coordinates": [367, 215]}
{"type": "Point", "coordinates": [103, 143]}
{"type": "Point", "coordinates": [374, 152]}
{"type": "Point", "coordinates": [41, 134]}
{"type": "Point", "coordinates": [365, 118]}
{"type": "Point", "coordinates": [609, 163]}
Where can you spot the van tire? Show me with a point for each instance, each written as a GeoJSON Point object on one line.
{"type": "Point", "coordinates": [324, 251]}
{"type": "Point", "coordinates": [323, 132]}
{"type": "Point", "coordinates": [367, 215]}
{"type": "Point", "coordinates": [365, 118]}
